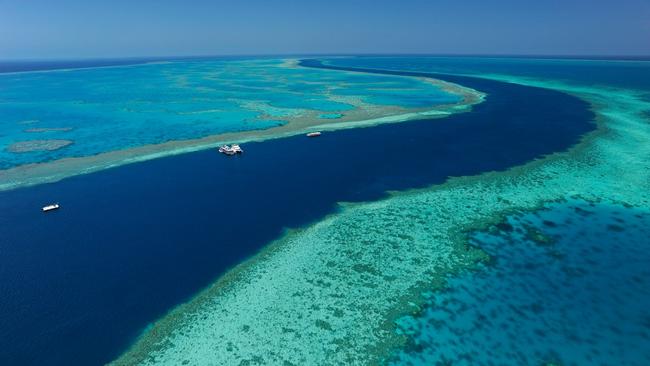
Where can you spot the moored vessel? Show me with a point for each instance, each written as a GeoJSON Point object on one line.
{"type": "Point", "coordinates": [51, 207]}
{"type": "Point", "coordinates": [231, 150]}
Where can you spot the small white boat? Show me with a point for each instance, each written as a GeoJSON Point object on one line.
{"type": "Point", "coordinates": [51, 207]}
{"type": "Point", "coordinates": [313, 134]}
{"type": "Point", "coordinates": [231, 150]}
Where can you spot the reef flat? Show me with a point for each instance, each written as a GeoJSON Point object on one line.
{"type": "Point", "coordinates": [49, 129]}
{"type": "Point", "coordinates": [38, 145]}
{"type": "Point", "coordinates": [178, 107]}
{"type": "Point", "coordinates": [330, 293]}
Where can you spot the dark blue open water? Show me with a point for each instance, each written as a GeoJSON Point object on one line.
{"type": "Point", "coordinates": [632, 74]}
{"type": "Point", "coordinates": [131, 242]}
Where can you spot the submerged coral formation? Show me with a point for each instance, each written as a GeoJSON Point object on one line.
{"type": "Point", "coordinates": [579, 300]}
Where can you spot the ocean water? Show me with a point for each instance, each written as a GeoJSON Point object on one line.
{"type": "Point", "coordinates": [629, 74]}
{"type": "Point", "coordinates": [131, 243]}
{"type": "Point", "coordinates": [49, 115]}
{"type": "Point", "coordinates": [567, 285]}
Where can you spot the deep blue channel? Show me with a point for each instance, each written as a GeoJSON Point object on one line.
{"type": "Point", "coordinates": [129, 243]}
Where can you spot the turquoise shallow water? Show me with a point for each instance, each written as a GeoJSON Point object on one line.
{"type": "Point", "coordinates": [50, 115]}
{"type": "Point", "coordinates": [567, 285]}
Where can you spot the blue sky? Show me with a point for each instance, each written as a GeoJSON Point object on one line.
{"type": "Point", "coordinates": [117, 28]}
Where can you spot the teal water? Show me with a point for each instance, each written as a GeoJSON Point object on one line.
{"type": "Point", "coordinates": [568, 285]}
{"type": "Point", "coordinates": [51, 115]}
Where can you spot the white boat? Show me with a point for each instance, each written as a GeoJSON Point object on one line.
{"type": "Point", "coordinates": [313, 134]}
{"type": "Point", "coordinates": [225, 149]}
{"type": "Point", "coordinates": [51, 207]}
{"type": "Point", "coordinates": [231, 150]}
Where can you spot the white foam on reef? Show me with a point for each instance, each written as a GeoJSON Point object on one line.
{"type": "Point", "coordinates": [329, 294]}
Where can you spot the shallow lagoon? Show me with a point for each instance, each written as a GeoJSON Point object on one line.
{"type": "Point", "coordinates": [115, 108]}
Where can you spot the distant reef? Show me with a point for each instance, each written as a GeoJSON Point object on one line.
{"type": "Point", "coordinates": [38, 145]}
{"type": "Point", "coordinates": [49, 129]}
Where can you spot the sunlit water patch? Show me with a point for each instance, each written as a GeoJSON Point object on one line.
{"type": "Point", "coordinates": [567, 285]}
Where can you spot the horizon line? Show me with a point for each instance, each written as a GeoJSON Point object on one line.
{"type": "Point", "coordinates": [595, 57]}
